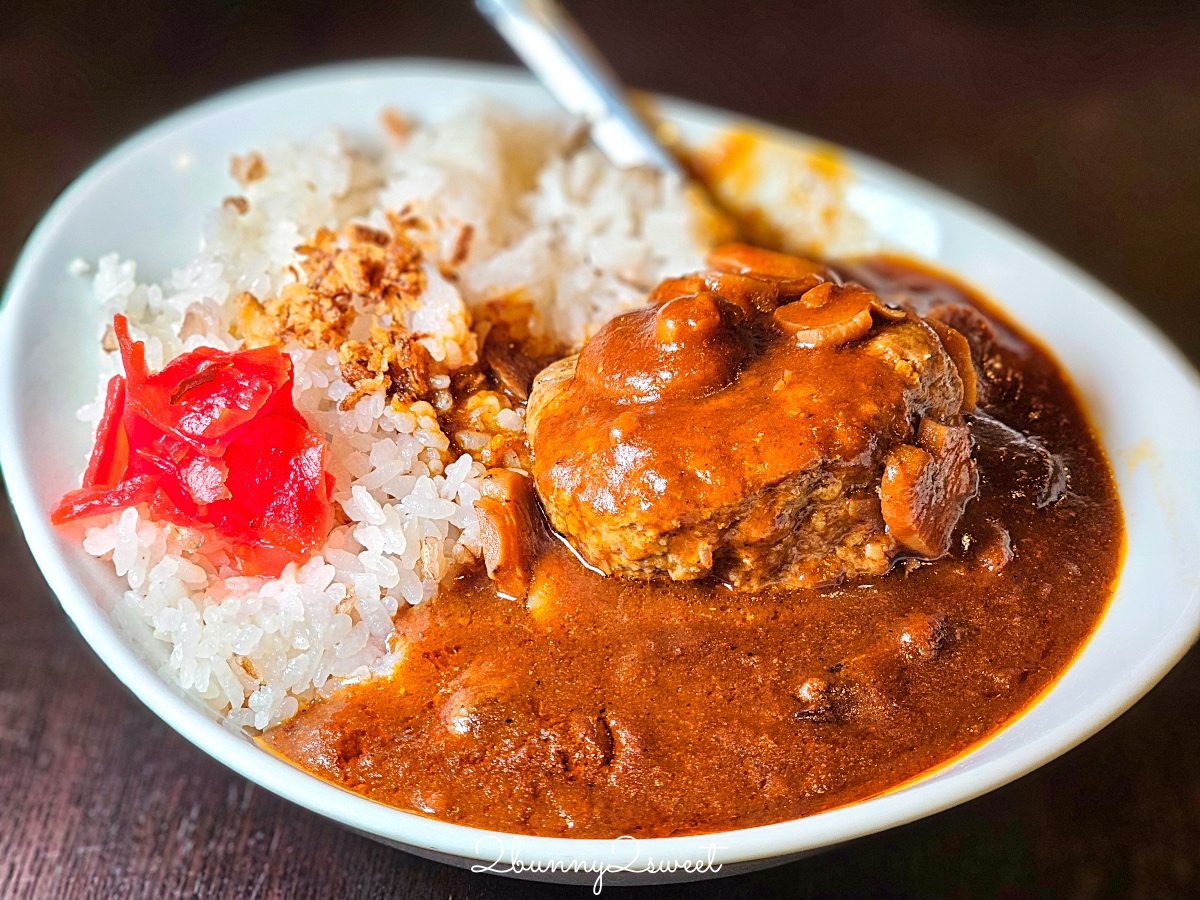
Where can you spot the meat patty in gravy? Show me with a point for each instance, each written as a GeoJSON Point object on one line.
{"type": "Point", "coordinates": [760, 422]}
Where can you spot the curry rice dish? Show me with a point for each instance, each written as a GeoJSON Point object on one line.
{"type": "Point", "coordinates": [777, 538]}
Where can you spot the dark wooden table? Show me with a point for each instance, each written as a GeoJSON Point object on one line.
{"type": "Point", "coordinates": [1078, 120]}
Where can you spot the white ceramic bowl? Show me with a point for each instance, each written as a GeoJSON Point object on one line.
{"type": "Point", "coordinates": [146, 199]}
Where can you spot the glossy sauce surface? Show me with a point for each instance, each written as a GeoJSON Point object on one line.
{"type": "Point", "coordinates": [604, 706]}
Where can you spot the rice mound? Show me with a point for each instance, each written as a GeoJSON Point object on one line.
{"type": "Point", "coordinates": [579, 240]}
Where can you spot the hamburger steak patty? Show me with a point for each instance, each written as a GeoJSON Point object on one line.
{"type": "Point", "coordinates": [759, 422]}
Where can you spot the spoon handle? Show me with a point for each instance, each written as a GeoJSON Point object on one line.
{"type": "Point", "coordinates": [570, 67]}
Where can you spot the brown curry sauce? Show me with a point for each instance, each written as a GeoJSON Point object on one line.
{"type": "Point", "coordinates": [605, 706]}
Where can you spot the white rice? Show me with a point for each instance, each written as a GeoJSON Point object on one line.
{"type": "Point", "coordinates": [581, 241]}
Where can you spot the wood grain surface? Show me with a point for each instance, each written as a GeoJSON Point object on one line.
{"type": "Point", "coordinates": [1078, 121]}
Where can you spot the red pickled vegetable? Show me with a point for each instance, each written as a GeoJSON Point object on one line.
{"type": "Point", "coordinates": [277, 482]}
{"type": "Point", "coordinates": [111, 452]}
{"type": "Point", "coordinates": [86, 502]}
{"type": "Point", "coordinates": [207, 396]}
{"type": "Point", "coordinates": [214, 442]}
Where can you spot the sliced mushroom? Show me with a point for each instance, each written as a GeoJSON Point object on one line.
{"type": "Point", "coordinates": [750, 292]}
{"type": "Point", "coordinates": [742, 259]}
{"type": "Point", "coordinates": [545, 385]}
{"type": "Point", "coordinates": [815, 698]}
{"type": "Point", "coordinates": [1035, 472]}
{"type": "Point", "coordinates": [863, 686]}
{"type": "Point", "coordinates": [829, 315]}
{"type": "Point", "coordinates": [751, 295]}
{"type": "Point", "coordinates": [684, 319]}
{"type": "Point", "coordinates": [509, 369]}
{"type": "Point", "coordinates": [481, 698]}
{"type": "Point", "coordinates": [925, 487]}
{"type": "Point", "coordinates": [991, 547]}
{"type": "Point", "coordinates": [888, 312]}
{"type": "Point", "coordinates": [959, 352]}
{"type": "Point", "coordinates": [919, 636]}
{"type": "Point", "coordinates": [912, 637]}
{"type": "Point", "coordinates": [509, 529]}
{"type": "Point", "coordinates": [683, 286]}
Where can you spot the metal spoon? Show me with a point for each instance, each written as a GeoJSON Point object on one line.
{"type": "Point", "coordinates": [570, 67]}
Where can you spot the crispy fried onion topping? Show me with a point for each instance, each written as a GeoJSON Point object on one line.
{"type": "Point", "coordinates": [340, 276]}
